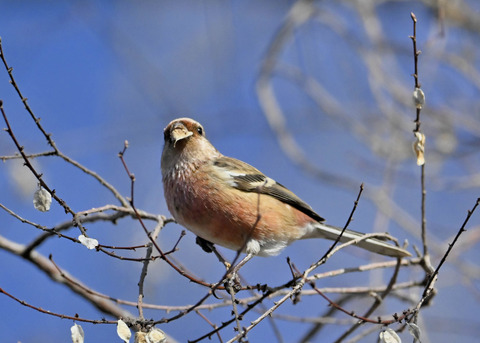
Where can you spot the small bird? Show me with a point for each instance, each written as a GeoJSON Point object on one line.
{"type": "Point", "coordinates": [228, 202]}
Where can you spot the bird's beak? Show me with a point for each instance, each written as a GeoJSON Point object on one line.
{"type": "Point", "coordinates": [179, 132]}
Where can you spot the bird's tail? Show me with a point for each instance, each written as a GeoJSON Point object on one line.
{"type": "Point", "coordinates": [371, 244]}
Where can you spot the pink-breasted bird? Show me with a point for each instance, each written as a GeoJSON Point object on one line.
{"type": "Point", "coordinates": [220, 198]}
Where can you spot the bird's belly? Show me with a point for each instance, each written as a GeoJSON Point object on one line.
{"type": "Point", "coordinates": [236, 220]}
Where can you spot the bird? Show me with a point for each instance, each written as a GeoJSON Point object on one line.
{"type": "Point", "coordinates": [228, 202]}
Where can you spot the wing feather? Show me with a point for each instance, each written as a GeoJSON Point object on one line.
{"type": "Point", "coordinates": [246, 178]}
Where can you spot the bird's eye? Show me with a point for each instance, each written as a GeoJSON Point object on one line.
{"type": "Point", "coordinates": [200, 130]}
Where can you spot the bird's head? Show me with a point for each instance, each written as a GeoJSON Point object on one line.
{"type": "Point", "coordinates": [185, 142]}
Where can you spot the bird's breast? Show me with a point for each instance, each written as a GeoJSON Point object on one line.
{"type": "Point", "coordinates": [224, 215]}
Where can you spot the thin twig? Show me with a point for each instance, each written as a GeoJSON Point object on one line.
{"type": "Point", "coordinates": [63, 316]}
{"type": "Point", "coordinates": [17, 156]}
{"type": "Point", "coordinates": [428, 291]}
{"type": "Point", "coordinates": [47, 266]}
{"type": "Point", "coordinates": [210, 323]}
{"type": "Point", "coordinates": [143, 274]}
{"type": "Point", "coordinates": [417, 122]}
{"type": "Point", "coordinates": [50, 140]}
{"type": "Point", "coordinates": [37, 175]}
{"type": "Point", "coordinates": [378, 301]}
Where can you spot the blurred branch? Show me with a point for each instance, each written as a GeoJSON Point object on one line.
{"type": "Point", "coordinates": [46, 266]}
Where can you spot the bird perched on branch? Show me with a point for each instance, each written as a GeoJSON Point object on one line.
{"type": "Point", "coordinates": [230, 203]}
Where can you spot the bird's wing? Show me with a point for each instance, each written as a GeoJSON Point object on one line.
{"type": "Point", "coordinates": [246, 178]}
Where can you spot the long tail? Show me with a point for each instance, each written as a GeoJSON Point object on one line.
{"type": "Point", "coordinates": [371, 244]}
